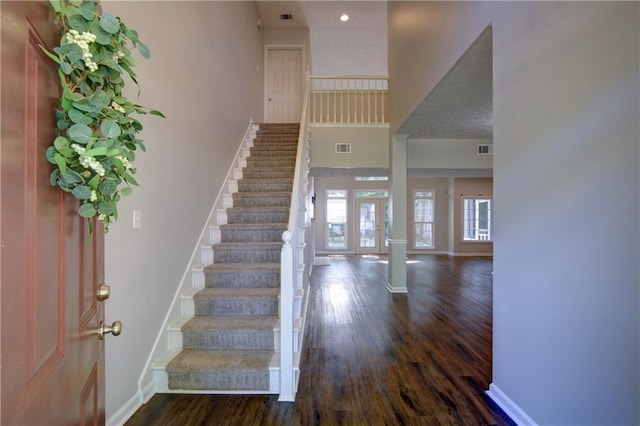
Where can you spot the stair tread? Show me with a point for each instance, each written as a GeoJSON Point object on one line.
{"type": "Point", "coordinates": [266, 180]}
{"type": "Point", "coordinates": [251, 244]}
{"type": "Point", "coordinates": [242, 266]}
{"type": "Point", "coordinates": [211, 323]}
{"type": "Point", "coordinates": [261, 209]}
{"type": "Point", "coordinates": [208, 360]}
{"type": "Point", "coordinates": [230, 292]}
{"type": "Point", "coordinates": [253, 226]}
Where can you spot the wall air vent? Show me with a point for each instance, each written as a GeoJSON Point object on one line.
{"type": "Point", "coordinates": [485, 149]}
{"type": "Point", "coordinates": [286, 17]}
{"type": "Point", "coordinates": [343, 148]}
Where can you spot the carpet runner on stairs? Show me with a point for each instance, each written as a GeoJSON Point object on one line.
{"type": "Point", "coordinates": [229, 344]}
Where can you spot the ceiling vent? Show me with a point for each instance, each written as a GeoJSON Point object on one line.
{"type": "Point", "coordinates": [343, 148]}
{"type": "Point", "coordinates": [286, 17]}
{"type": "Point", "coordinates": [485, 149]}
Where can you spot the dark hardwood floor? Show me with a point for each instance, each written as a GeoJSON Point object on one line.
{"type": "Point", "coordinates": [375, 358]}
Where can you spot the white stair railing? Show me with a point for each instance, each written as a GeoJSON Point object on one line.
{"type": "Point", "coordinates": [348, 99]}
{"type": "Point", "coordinates": [295, 265]}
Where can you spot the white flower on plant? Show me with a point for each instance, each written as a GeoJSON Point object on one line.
{"type": "Point", "coordinates": [84, 40]}
{"type": "Point", "coordinates": [94, 196]}
{"type": "Point", "coordinates": [118, 107]}
{"type": "Point", "coordinates": [102, 218]}
{"type": "Point", "coordinates": [125, 162]}
{"type": "Point", "coordinates": [116, 56]}
{"type": "Point", "coordinates": [88, 162]}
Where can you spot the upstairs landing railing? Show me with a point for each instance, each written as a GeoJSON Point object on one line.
{"type": "Point", "coordinates": [348, 99]}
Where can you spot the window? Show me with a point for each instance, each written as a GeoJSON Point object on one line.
{"type": "Point", "coordinates": [372, 194]}
{"type": "Point", "coordinates": [423, 205]}
{"type": "Point", "coordinates": [336, 219]}
{"type": "Point", "coordinates": [476, 219]}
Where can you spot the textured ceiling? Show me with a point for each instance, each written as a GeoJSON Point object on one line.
{"type": "Point", "coordinates": [461, 104]}
{"type": "Point", "coordinates": [459, 107]}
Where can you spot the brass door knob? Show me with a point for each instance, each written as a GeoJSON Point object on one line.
{"type": "Point", "coordinates": [115, 329]}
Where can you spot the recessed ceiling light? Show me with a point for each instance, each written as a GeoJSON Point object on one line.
{"type": "Point", "coordinates": [344, 17]}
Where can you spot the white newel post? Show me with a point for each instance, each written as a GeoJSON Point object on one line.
{"type": "Point", "coordinates": [286, 319]}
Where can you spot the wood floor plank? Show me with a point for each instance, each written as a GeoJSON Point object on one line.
{"type": "Point", "coordinates": [375, 358]}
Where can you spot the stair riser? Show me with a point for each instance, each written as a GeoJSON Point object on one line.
{"type": "Point", "coordinates": [255, 173]}
{"type": "Point", "coordinates": [254, 380]}
{"type": "Point", "coordinates": [240, 200]}
{"type": "Point", "coordinates": [273, 152]}
{"type": "Point", "coordinates": [260, 217]}
{"type": "Point", "coordinates": [237, 307]}
{"type": "Point", "coordinates": [265, 186]}
{"type": "Point", "coordinates": [251, 236]}
{"type": "Point", "coordinates": [242, 279]}
{"type": "Point", "coordinates": [263, 162]}
{"type": "Point", "coordinates": [228, 339]}
{"type": "Point", "coordinates": [246, 255]}
{"type": "Point", "coordinates": [259, 144]}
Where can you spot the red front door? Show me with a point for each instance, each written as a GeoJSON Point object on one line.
{"type": "Point", "coordinates": [52, 362]}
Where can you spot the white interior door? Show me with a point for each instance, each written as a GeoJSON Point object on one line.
{"type": "Point", "coordinates": [372, 227]}
{"type": "Point", "coordinates": [283, 85]}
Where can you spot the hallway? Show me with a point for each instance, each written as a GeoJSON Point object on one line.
{"type": "Point", "coordinates": [375, 358]}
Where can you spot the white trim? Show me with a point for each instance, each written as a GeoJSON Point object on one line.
{"type": "Point", "coordinates": [125, 412]}
{"type": "Point", "coordinates": [364, 125]}
{"type": "Point", "coordinates": [458, 254]}
{"type": "Point", "coordinates": [397, 290]}
{"type": "Point", "coordinates": [509, 407]}
{"type": "Point", "coordinates": [265, 68]}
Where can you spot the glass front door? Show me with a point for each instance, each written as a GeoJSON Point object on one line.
{"type": "Point", "coordinates": [372, 227]}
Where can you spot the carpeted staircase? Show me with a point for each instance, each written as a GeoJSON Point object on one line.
{"type": "Point", "coordinates": [229, 344]}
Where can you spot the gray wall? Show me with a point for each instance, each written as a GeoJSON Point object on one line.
{"type": "Point", "coordinates": [208, 89]}
{"type": "Point", "coordinates": [566, 191]}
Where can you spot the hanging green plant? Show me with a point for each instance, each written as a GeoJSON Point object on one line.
{"type": "Point", "coordinates": [94, 150]}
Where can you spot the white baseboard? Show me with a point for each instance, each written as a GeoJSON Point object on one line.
{"type": "Point", "coordinates": [509, 407]}
{"type": "Point", "coordinates": [125, 412]}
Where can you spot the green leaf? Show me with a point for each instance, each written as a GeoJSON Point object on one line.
{"type": "Point", "coordinates": [50, 152]}
{"type": "Point", "coordinates": [94, 152]}
{"type": "Point", "coordinates": [88, 10]}
{"type": "Point", "coordinates": [78, 23]}
{"type": "Point", "coordinates": [158, 113]}
{"type": "Point", "coordinates": [55, 58]}
{"type": "Point", "coordinates": [81, 192]}
{"type": "Point", "coordinates": [112, 152]}
{"type": "Point", "coordinates": [71, 176]}
{"type": "Point", "coordinates": [130, 179]}
{"type": "Point", "coordinates": [109, 23]}
{"type": "Point", "coordinates": [131, 35]}
{"type": "Point", "coordinates": [102, 37]}
{"type": "Point", "coordinates": [63, 124]}
{"type": "Point", "coordinates": [66, 68]}
{"type": "Point", "coordinates": [126, 191]}
{"type": "Point", "coordinates": [87, 210]}
{"type": "Point", "coordinates": [80, 133]}
{"type": "Point", "coordinates": [53, 177]}
{"type": "Point", "coordinates": [99, 99]}
{"type": "Point", "coordinates": [79, 118]}
{"type": "Point", "coordinates": [61, 143]}
{"type": "Point", "coordinates": [71, 51]}
{"type": "Point", "coordinates": [107, 208]}
{"type": "Point", "coordinates": [93, 183]}
{"type": "Point", "coordinates": [57, 5]}
{"type": "Point", "coordinates": [144, 50]}
{"type": "Point", "coordinates": [108, 186]}
{"type": "Point", "coordinates": [61, 162]}
{"type": "Point", "coordinates": [86, 106]}
{"type": "Point", "coordinates": [110, 129]}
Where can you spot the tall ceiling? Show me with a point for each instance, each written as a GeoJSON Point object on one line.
{"type": "Point", "coordinates": [459, 107]}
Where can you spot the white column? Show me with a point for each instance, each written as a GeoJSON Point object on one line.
{"type": "Point", "coordinates": [398, 214]}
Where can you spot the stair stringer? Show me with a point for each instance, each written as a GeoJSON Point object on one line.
{"type": "Point", "coordinates": [169, 339]}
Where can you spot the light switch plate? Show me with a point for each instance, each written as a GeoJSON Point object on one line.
{"type": "Point", "coordinates": [137, 219]}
